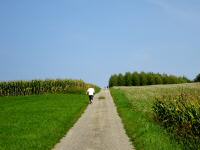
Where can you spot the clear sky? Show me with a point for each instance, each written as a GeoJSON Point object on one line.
{"type": "Point", "coordinates": [92, 39]}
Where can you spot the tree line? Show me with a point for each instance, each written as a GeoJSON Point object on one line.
{"type": "Point", "coordinates": [142, 78]}
{"type": "Point", "coordinates": [197, 79]}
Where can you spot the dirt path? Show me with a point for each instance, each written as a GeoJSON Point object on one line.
{"type": "Point", "coordinates": [99, 128]}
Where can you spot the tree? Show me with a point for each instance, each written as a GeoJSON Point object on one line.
{"type": "Point", "coordinates": [165, 79]}
{"type": "Point", "coordinates": [128, 79]}
{"type": "Point", "coordinates": [143, 78]}
{"type": "Point", "coordinates": [172, 79]}
{"type": "Point", "coordinates": [121, 81]}
{"type": "Point", "coordinates": [150, 78]}
{"type": "Point", "coordinates": [197, 79]}
{"type": "Point", "coordinates": [135, 79]}
{"type": "Point", "coordinates": [186, 80]}
{"type": "Point", "coordinates": [158, 79]}
{"type": "Point", "coordinates": [113, 80]}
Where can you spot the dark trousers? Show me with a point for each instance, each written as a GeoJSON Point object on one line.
{"type": "Point", "coordinates": [91, 98]}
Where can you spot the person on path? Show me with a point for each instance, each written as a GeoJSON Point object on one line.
{"type": "Point", "coordinates": [91, 93]}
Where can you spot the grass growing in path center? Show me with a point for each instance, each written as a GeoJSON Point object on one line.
{"type": "Point", "coordinates": [138, 122]}
{"type": "Point", "coordinates": [38, 122]}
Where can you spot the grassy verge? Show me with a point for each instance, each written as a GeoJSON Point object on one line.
{"type": "Point", "coordinates": [135, 108]}
{"type": "Point", "coordinates": [38, 122]}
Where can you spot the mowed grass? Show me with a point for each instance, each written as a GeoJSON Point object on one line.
{"type": "Point", "coordinates": [38, 122]}
{"type": "Point", "coordinates": [134, 106]}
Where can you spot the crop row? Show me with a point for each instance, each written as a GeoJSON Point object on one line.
{"type": "Point", "coordinates": [15, 88]}
{"type": "Point", "coordinates": [180, 115]}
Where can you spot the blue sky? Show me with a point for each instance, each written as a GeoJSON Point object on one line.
{"type": "Point", "coordinates": [92, 39]}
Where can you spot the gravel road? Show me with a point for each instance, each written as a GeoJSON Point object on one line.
{"type": "Point", "coordinates": [99, 128]}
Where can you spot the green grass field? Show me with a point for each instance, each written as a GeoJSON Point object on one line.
{"type": "Point", "coordinates": [134, 106]}
{"type": "Point", "coordinates": [38, 122]}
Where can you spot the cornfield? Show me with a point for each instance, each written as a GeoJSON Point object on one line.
{"type": "Point", "coordinates": [180, 114]}
{"type": "Point", "coordinates": [15, 88]}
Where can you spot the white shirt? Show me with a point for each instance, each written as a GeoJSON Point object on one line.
{"type": "Point", "coordinates": [91, 91]}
